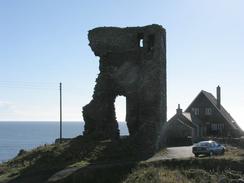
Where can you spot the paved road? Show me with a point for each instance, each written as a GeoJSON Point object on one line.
{"type": "Point", "coordinates": [173, 152]}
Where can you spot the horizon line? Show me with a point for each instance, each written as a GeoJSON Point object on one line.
{"type": "Point", "coordinates": [46, 121]}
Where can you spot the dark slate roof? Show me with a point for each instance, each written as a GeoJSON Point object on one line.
{"type": "Point", "coordinates": [194, 119]}
{"type": "Point", "coordinates": [222, 110]}
{"type": "Point", "coordinates": [186, 119]}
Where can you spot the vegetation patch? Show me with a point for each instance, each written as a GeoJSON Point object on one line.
{"type": "Point", "coordinates": [39, 164]}
{"type": "Point", "coordinates": [152, 174]}
{"type": "Point", "coordinates": [155, 175]}
{"type": "Point", "coordinates": [116, 162]}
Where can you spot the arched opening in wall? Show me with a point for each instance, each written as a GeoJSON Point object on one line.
{"type": "Point", "coordinates": [140, 38]}
{"type": "Point", "coordinates": [120, 111]}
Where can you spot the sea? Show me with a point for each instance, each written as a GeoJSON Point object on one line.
{"type": "Point", "coordinates": [28, 135]}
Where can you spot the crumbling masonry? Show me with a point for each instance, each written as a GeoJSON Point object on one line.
{"type": "Point", "coordinates": [132, 64]}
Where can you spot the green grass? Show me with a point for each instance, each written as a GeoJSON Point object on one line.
{"type": "Point", "coordinates": [106, 161]}
{"type": "Point", "coordinates": [39, 164]}
{"type": "Point", "coordinates": [229, 167]}
{"type": "Point", "coordinates": [163, 174]}
{"type": "Point", "coordinates": [155, 175]}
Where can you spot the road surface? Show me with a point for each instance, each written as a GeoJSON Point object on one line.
{"type": "Point", "coordinates": [173, 153]}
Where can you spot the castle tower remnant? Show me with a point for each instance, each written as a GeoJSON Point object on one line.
{"type": "Point", "coordinates": [132, 64]}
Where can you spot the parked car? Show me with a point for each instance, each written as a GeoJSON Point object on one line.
{"type": "Point", "coordinates": [208, 148]}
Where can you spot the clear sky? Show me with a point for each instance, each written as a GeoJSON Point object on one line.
{"type": "Point", "coordinates": [43, 42]}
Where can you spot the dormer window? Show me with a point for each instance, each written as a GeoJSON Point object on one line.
{"type": "Point", "coordinates": [195, 110]}
{"type": "Point", "coordinates": [208, 111]}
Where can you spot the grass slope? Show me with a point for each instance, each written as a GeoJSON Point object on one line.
{"type": "Point", "coordinates": [39, 164]}
{"type": "Point", "coordinates": [84, 160]}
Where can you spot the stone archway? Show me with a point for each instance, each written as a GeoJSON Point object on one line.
{"type": "Point", "coordinates": [120, 113]}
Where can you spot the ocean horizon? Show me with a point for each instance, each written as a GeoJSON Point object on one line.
{"type": "Point", "coordinates": [16, 135]}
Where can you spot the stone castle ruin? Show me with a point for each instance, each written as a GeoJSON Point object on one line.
{"type": "Point", "coordinates": [132, 64]}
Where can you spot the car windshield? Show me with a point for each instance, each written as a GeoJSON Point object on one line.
{"type": "Point", "coordinates": [203, 144]}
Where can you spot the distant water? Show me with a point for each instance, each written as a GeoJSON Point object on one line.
{"type": "Point", "coordinates": [28, 135]}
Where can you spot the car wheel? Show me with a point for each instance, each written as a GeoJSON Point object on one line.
{"type": "Point", "coordinates": [196, 155]}
{"type": "Point", "coordinates": [222, 152]}
{"type": "Point", "coordinates": [211, 153]}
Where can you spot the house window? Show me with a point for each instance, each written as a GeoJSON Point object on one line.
{"type": "Point", "coordinates": [214, 126]}
{"type": "Point", "coordinates": [208, 111]}
{"type": "Point", "coordinates": [221, 126]}
{"type": "Point", "coordinates": [195, 110]}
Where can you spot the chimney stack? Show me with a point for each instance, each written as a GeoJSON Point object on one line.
{"type": "Point", "coordinates": [218, 97]}
{"type": "Point", "coordinates": [179, 110]}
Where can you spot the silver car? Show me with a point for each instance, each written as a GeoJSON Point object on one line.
{"type": "Point", "coordinates": [208, 148]}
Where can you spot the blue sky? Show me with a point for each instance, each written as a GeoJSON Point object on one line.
{"type": "Point", "coordinates": [43, 42]}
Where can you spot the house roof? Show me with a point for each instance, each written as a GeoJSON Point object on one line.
{"type": "Point", "coordinates": [186, 119]}
{"type": "Point", "coordinates": [191, 119]}
{"type": "Point", "coordinates": [187, 115]}
{"type": "Point", "coordinates": [222, 110]}
{"type": "Point", "coordinates": [195, 120]}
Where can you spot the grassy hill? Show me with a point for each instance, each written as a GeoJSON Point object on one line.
{"type": "Point", "coordinates": [84, 160]}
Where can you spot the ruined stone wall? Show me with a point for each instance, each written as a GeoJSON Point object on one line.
{"type": "Point", "coordinates": [132, 64]}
